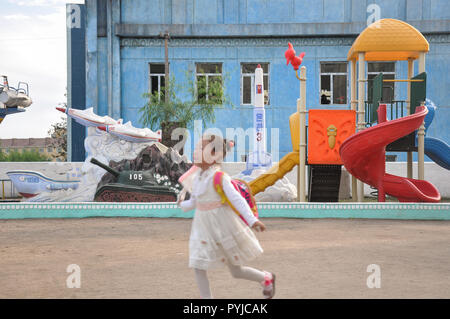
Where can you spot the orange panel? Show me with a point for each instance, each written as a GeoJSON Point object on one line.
{"type": "Point", "coordinates": [327, 130]}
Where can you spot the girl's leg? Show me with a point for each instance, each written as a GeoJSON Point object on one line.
{"type": "Point", "coordinates": [203, 283]}
{"type": "Point", "coordinates": [266, 279]}
{"type": "Point", "coordinates": [244, 272]}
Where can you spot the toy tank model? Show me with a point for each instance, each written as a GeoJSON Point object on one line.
{"type": "Point", "coordinates": [132, 186]}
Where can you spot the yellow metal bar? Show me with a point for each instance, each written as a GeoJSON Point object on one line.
{"type": "Point", "coordinates": [401, 80]}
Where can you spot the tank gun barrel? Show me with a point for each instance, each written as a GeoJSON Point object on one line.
{"type": "Point", "coordinates": [105, 167]}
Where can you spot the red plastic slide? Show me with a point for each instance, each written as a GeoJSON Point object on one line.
{"type": "Point", "coordinates": [363, 155]}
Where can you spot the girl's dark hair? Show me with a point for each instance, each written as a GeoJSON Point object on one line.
{"type": "Point", "coordinates": [226, 145]}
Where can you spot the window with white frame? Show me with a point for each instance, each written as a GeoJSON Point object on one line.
{"type": "Point", "coordinates": [388, 70]}
{"type": "Point", "coordinates": [208, 83]}
{"type": "Point", "coordinates": [248, 83]}
{"type": "Point", "coordinates": [333, 82]}
{"type": "Point", "coordinates": [157, 78]}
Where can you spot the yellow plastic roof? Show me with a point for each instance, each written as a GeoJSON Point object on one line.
{"type": "Point", "coordinates": [389, 40]}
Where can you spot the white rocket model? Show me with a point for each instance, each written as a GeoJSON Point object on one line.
{"type": "Point", "coordinates": [259, 116]}
{"type": "Point", "coordinates": [259, 157]}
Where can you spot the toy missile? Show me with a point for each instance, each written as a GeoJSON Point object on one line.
{"type": "Point", "coordinates": [88, 117]}
{"type": "Point", "coordinates": [132, 134]}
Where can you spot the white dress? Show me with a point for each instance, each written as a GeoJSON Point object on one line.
{"type": "Point", "coordinates": [218, 234]}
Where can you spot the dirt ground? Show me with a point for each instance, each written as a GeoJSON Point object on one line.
{"type": "Point", "coordinates": [148, 257]}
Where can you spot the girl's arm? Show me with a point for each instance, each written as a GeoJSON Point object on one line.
{"type": "Point", "coordinates": [187, 205]}
{"type": "Point", "coordinates": [238, 201]}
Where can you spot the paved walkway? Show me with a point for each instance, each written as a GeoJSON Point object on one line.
{"type": "Point", "coordinates": [147, 258]}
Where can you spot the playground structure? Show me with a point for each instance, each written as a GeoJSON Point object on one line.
{"type": "Point", "coordinates": [390, 40]}
{"type": "Point", "coordinates": [363, 154]}
{"type": "Point", "coordinates": [13, 100]}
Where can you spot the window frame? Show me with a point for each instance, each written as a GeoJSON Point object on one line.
{"type": "Point", "coordinates": [159, 75]}
{"type": "Point", "coordinates": [207, 75]}
{"type": "Point", "coordinates": [252, 83]}
{"type": "Point", "coordinates": [331, 74]}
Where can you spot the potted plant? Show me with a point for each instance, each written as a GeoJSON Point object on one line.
{"type": "Point", "coordinates": [200, 104]}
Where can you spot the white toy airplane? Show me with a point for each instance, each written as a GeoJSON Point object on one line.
{"type": "Point", "coordinates": [88, 117]}
{"type": "Point", "coordinates": [132, 134]}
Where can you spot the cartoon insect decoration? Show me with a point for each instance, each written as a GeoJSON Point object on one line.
{"type": "Point", "coordinates": [331, 132]}
{"type": "Point", "coordinates": [291, 57]}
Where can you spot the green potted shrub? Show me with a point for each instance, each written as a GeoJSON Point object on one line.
{"type": "Point", "coordinates": [200, 102]}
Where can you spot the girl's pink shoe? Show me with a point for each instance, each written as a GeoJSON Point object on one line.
{"type": "Point", "coordinates": [268, 285]}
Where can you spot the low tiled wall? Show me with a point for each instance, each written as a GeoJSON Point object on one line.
{"type": "Point", "coordinates": [266, 210]}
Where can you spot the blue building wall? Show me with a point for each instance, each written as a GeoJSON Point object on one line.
{"type": "Point", "coordinates": [237, 31]}
{"type": "Point", "coordinates": [76, 73]}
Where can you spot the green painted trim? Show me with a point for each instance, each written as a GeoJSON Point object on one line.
{"type": "Point", "coordinates": [422, 211]}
